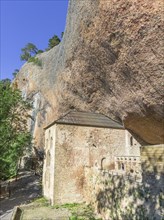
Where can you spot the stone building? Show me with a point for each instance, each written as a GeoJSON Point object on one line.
{"type": "Point", "coordinates": [81, 140]}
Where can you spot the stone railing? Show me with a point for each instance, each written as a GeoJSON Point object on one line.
{"type": "Point", "coordinates": [128, 165]}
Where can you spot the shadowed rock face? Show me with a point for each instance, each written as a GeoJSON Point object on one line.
{"type": "Point", "coordinates": [109, 61]}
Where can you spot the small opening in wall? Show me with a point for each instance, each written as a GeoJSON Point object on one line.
{"type": "Point", "coordinates": [49, 134]}
{"type": "Point", "coordinates": [94, 145]}
{"type": "Point", "coordinates": [131, 141]}
{"type": "Point", "coordinates": [122, 166]}
{"type": "Point", "coordinates": [102, 163]}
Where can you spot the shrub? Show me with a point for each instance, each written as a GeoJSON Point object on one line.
{"type": "Point", "coordinates": [35, 61]}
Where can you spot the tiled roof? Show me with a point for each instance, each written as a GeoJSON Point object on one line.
{"type": "Point", "coordinates": [87, 119]}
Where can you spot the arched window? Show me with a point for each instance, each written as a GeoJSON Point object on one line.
{"type": "Point", "coordinates": [102, 163]}
{"type": "Point", "coordinates": [122, 166]}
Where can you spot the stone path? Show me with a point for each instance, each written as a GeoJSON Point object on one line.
{"type": "Point", "coordinates": [25, 189]}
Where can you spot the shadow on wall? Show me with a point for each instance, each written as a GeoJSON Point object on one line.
{"type": "Point", "coordinates": [125, 198]}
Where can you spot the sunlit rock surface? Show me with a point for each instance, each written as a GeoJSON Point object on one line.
{"type": "Point", "coordinates": [109, 61]}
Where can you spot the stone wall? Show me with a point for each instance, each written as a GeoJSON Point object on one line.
{"type": "Point", "coordinates": [121, 195]}
{"type": "Point", "coordinates": [49, 163]}
{"type": "Point", "coordinates": [71, 149]}
{"type": "Point", "coordinates": [152, 158]}
{"type": "Point", "coordinates": [113, 195]}
{"type": "Point", "coordinates": [78, 147]}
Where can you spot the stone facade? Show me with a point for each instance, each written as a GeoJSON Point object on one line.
{"type": "Point", "coordinates": [118, 195]}
{"type": "Point", "coordinates": [71, 149]}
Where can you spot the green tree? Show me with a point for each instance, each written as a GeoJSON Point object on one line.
{"type": "Point", "coordinates": [55, 40]}
{"type": "Point", "coordinates": [14, 136]}
{"type": "Point", "coordinates": [28, 51]}
{"type": "Point", "coordinates": [35, 61]}
{"type": "Point", "coordinates": [40, 51]}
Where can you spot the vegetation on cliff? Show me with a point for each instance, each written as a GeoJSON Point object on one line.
{"type": "Point", "coordinates": [14, 136]}
{"type": "Point", "coordinates": [54, 41]}
{"type": "Point", "coordinates": [28, 51]}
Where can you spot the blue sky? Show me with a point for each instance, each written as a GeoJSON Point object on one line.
{"type": "Point", "coordinates": [22, 22]}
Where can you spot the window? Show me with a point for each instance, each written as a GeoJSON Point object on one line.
{"type": "Point", "coordinates": [131, 141]}
{"type": "Point", "coordinates": [102, 163]}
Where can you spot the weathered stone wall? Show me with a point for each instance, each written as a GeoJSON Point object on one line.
{"type": "Point", "coordinates": [49, 163]}
{"type": "Point", "coordinates": [152, 158]}
{"type": "Point", "coordinates": [120, 197]}
{"type": "Point", "coordinates": [75, 148]}
{"type": "Point", "coordinates": [116, 195]}
{"type": "Point", "coordinates": [78, 147]}
{"type": "Point", "coordinates": [80, 165]}
{"type": "Point", "coordinates": [111, 194]}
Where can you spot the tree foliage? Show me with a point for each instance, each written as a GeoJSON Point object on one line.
{"type": "Point", "coordinates": [28, 51]}
{"type": "Point", "coordinates": [40, 51]}
{"type": "Point", "coordinates": [35, 61]}
{"type": "Point", "coordinates": [55, 40]}
{"type": "Point", "coordinates": [14, 137]}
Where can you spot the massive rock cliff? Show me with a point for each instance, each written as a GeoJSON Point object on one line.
{"type": "Point", "coordinates": [109, 61]}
